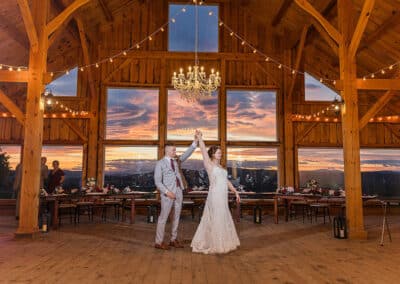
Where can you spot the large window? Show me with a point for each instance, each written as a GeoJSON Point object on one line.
{"type": "Point", "coordinates": [10, 156]}
{"type": "Point", "coordinates": [181, 30]}
{"type": "Point", "coordinates": [130, 166]}
{"type": "Point", "coordinates": [325, 165]}
{"type": "Point", "coordinates": [65, 85]}
{"type": "Point", "coordinates": [184, 118]}
{"type": "Point", "coordinates": [132, 114]}
{"type": "Point", "coordinates": [380, 171]}
{"type": "Point", "coordinates": [253, 169]}
{"type": "Point", "coordinates": [251, 115]}
{"type": "Point", "coordinates": [317, 91]}
{"type": "Point", "coordinates": [70, 158]}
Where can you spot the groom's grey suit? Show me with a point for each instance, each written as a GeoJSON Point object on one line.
{"type": "Point", "coordinates": [165, 178]}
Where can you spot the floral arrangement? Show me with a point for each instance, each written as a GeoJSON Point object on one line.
{"type": "Point", "coordinates": [312, 186]}
{"type": "Point", "coordinates": [91, 185]}
{"type": "Point", "coordinates": [285, 190]}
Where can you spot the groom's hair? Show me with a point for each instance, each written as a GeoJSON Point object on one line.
{"type": "Point", "coordinates": [169, 144]}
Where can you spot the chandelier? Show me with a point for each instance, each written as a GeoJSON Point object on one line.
{"type": "Point", "coordinates": [195, 85]}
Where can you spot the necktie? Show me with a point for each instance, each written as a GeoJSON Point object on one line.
{"type": "Point", "coordinates": [178, 183]}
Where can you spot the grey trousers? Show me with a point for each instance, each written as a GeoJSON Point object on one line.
{"type": "Point", "coordinates": [166, 206]}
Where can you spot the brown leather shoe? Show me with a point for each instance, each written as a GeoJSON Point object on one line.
{"type": "Point", "coordinates": [163, 246]}
{"type": "Point", "coordinates": [176, 244]}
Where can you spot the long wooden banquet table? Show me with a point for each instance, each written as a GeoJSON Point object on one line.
{"type": "Point", "coordinates": [287, 199]}
{"type": "Point", "coordinates": [56, 199]}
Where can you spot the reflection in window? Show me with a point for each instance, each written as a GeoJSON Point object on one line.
{"type": "Point", "coordinates": [380, 171]}
{"type": "Point", "coordinates": [184, 118]}
{"type": "Point", "coordinates": [251, 115]}
{"type": "Point", "coordinates": [317, 91]}
{"type": "Point", "coordinates": [181, 33]}
{"type": "Point", "coordinates": [132, 114]}
{"type": "Point", "coordinates": [325, 165]}
{"type": "Point", "coordinates": [253, 169]}
{"type": "Point", "coordinates": [193, 170]}
{"type": "Point", "coordinates": [130, 166]}
{"type": "Point", "coordinates": [65, 85]}
{"type": "Point", "coordinates": [70, 158]}
{"type": "Point", "coordinates": [10, 156]}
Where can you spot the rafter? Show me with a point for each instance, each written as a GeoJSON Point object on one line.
{"type": "Point", "coordinates": [331, 30]}
{"type": "Point", "coordinates": [64, 15]}
{"type": "Point", "coordinates": [361, 24]}
{"type": "Point", "coordinates": [282, 12]}
{"type": "Point", "coordinates": [390, 23]}
{"type": "Point", "coordinates": [12, 107]}
{"type": "Point", "coordinates": [299, 54]}
{"type": "Point", "coordinates": [333, 45]}
{"type": "Point", "coordinates": [382, 101]}
{"type": "Point", "coordinates": [13, 76]}
{"type": "Point", "coordinates": [106, 11]}
{"type": "Point", "coordinates": [29, 25]}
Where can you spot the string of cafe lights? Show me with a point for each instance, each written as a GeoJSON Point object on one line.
{"type": "Point", "coordinates": [110, 59]}
{"type": "Point", "coordinates": [232, 33]}
{"type": "Point", "coordinates": [322, 114]}
{"type": "Point", "coordinates": [246, 43]}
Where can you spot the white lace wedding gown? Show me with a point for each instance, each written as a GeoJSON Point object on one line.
{"type": "Point", "coordinates": [216, 232]}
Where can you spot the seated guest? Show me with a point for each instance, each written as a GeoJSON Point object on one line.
{"type": "Point", "coordinates": [56, 177]}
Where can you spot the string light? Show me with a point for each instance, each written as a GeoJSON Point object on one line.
{"type": "Point", "coordinates": [220, 23]}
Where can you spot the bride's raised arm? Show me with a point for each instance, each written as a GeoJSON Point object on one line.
{"type": "Point", "coordinates": [206, 158]}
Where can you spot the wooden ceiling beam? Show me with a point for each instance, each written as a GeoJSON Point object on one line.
{"type": "Point", "coordinates": [382, 101]}
{"type": "Point", "coordinates": [13, 76]}
{"type": "Point", "coordinates": [360, 27]}
{"type": "Point", "coordinates": [299, 54]}
{"type": "Point", "coordinates": [29, 25]}
{"type": "Point", "coordinates": [390, 23]}
{"type": "Point", "coordinates": [12, 107]}
{"type": "Point", "coordinates": [332, 44]}
{"type": "Point", "coordinates": [331, 30]}
{"type": "Point", "coordinates": [107, 13]}
{"type": "Point", "coordinates": [282, 12]}
{"type": "Point", "coordinates": [64, 15]}
{"type": "Point", "coordinates": [373, 84]}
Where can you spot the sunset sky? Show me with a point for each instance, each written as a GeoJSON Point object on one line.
{"type": "Point", "coordinates": [315, 91]}
{"type": "Point", "coordinates": [65, 85]}
{"type": "Point", "coordinates": [132, 114]}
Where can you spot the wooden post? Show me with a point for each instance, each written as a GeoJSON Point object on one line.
{"type": "Point", "coordinates": [33, 132]}
{"type": "Point", "coordinates": [92, 148]}
{"type": "Point", "coordinates": [162, 108]}
{"type": "Point", "coordinates": [287, 160]}
{"type": "Point", "coordinates": [350, 124]}
{"type": "Point", "coordinates": [222, 114]}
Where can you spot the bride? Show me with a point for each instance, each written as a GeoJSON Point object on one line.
{"type": "Point", "coordinates": [216, 232]}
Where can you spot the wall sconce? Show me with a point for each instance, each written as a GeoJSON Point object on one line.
{"type": "Point", "coordinates": [337, 105]}
{"type": "Point", "coordinates": [48, 99]}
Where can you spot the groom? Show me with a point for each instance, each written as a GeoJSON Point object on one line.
{"type": "Point", "coordinates": [169, 181]}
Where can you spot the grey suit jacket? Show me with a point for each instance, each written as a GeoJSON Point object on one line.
{"type": "Point", "coordinates": [165, 177]}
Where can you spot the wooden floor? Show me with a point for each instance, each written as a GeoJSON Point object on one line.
{"type": "Point", "coordinates": [290, 252]}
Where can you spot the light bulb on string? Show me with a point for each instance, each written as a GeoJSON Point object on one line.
{"type": "Point", "coordinates": [124, 53]}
